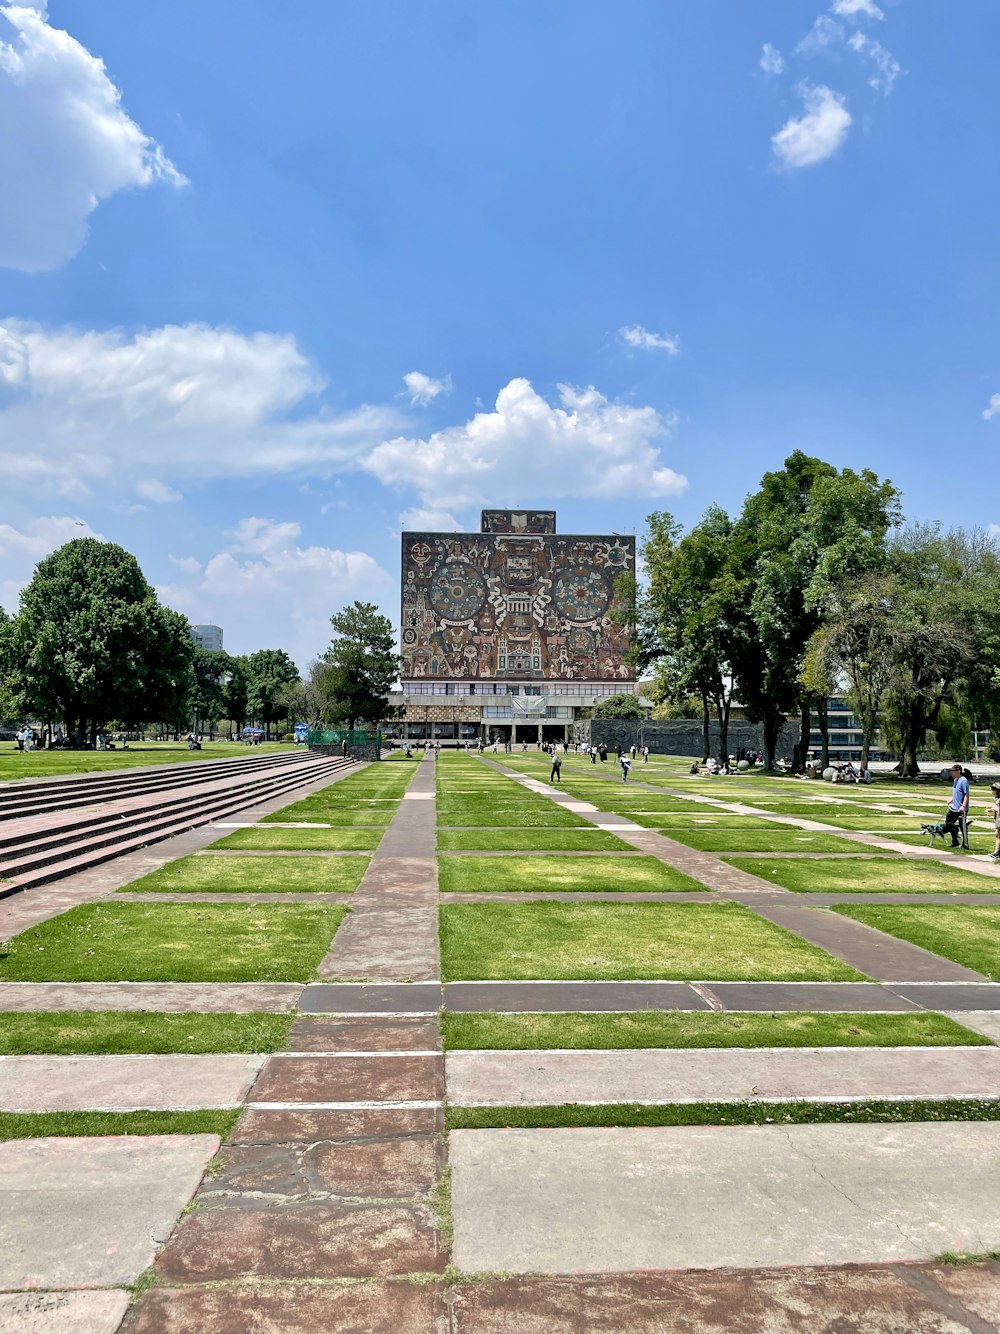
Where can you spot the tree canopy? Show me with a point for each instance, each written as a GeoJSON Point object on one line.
{"type": "Point", "coordinates": [360, 667]}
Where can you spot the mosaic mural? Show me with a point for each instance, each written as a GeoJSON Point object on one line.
{"type": "Point", "coordinates": [517, 521]}
{"type": "Point", "coordinates": [506, 607]}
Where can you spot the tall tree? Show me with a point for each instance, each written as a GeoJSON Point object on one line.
{"type": "Point", "coordinates": [268, 671]}
{"type": "Point", "coordinates": [211, 669]}
{"type": "Point", "coordinates": [234, 691]}
{"type": "Point", "coordinates": [360, 666]}
{"type": "Point", "coordinates": [91, 641]}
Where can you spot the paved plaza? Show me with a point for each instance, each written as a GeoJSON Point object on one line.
{"type": "Point", "coordinates": [639, 1085]}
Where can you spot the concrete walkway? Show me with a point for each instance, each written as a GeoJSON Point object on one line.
{"type": "Point", "coordinates": [738, 1075]}
{"type": "Point", "coordinates": [125, 1083]}
{"type": "Point", "coordinates": [701, 1197]}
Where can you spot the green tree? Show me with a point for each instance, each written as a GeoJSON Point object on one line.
{"type": "Point", "coordinates": [211, 671]}
{"type": "Point", "coordinates": [268, 671]}
{"type": "Point", "coordinates": [619, 706]}
{"type": "Point", "coordinates": [360, 667]}
{"type": "Point", "coordinates": [234, 691]}
{"type": "Point", "coordinates": [92, 642]}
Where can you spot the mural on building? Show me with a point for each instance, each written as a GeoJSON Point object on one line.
{"type": "Point", "coordinates": [504, 606]}
{"type": "Point", "coordinates": [517, 521]}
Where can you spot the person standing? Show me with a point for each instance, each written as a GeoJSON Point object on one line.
{"type": "Point", "coordinates": [593, 754]}
{"type": "Point", "coordinates": [994, 810]}
{"type": "Point", "coordinates": [645, 754]}
{"type": "Point", "coordinates": [554, 776]}
{"type": "Point", "coordinates": [626, 763]}
{"type": "Point", "coordinates": [956, 821]}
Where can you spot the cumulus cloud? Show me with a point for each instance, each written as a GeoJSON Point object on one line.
{"type": "Point", "coordinates": [586, 446]}
{"type": "Point", "coordinates": [887, 67]}
{"type": "Point", "coordinates": [22, 548]}
{"type": "Point", "coordinates": [771, 61]}
{"type": "Point", "coordinates": [181, 401]}
{"type": "Point", "coordinates": [635, 336]}
{"type": "Point", "coordinates": [424, 389]}
{"type": "Point", "coordinates": [158, 492]}
{"type": "Point", "coordinates": [823, 33]}
{"type": "Point", "coordinates": [266, 587]}
{"type": "Point", "coordinates": [417, 520]}
{"type": "Point", "coordinates": [812, 137]}
{"type": "Point", "coordinates": [67, 142]}
{"type": "Point", "coordinates": [851, 8]}
{"type": "Point", "coordinates": [992, 409]}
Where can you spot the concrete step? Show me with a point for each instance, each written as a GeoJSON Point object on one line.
{"type": "Point", "coordinates": [85, 853]}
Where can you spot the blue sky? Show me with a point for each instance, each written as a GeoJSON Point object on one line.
{"type": "Point", "coordinates": [274, 283]}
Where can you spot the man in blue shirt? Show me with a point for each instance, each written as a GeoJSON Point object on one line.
{"type": "Point", "coordinates": [957, 819]}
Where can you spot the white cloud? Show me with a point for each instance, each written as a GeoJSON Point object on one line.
{"type": "Point", "coordinates": [178, 402]}
{"type": "Point", "coordinates": [417, 520]}
{"type": "Point", "coordinates": [67, 143]}
{"type": "Point", "coordinates": [157, 491]}
{"type": "Point", "coordinates": [771, 61]}
{"type": "Point", "coordinates": [22, 548]}
{"type": "Point", "coordinates": [851, 8]}
{"type": "Point", "coordinates": [823, 33]}
{"type": "Point", "coordinates": [993, 531]}
{"type": "Point", "coordinates": [805, 140]}
{"type": "Point", "coordinates": [993, 408]}
{"type": "Point", "coordinates": [423, 389]}
{"type": "Point", "coordinates": [587, 447]}
{"type": "Point", "coordinates": [634, 335]}
{"type": "Point", "coordinates": [266, 589]}
{"type": "Point", "coordinates": [887, 67]}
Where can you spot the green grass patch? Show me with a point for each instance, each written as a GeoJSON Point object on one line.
{"type": "Point", "coordinates": [16, 764]}
{"type": "Point", "coordinates": [722, 1114]}
{"type": "Point", "coordinates": [33, 1125]}
{"type": "Point", "coordinates": [173, 942]}
{"type": "Point", "coordinates": [627, 941]}
{"type": "Point", "coordinates": [263, 839]}
{"type": "Point", "coordinates": [493, 814]}
{"type": "Point", "coordinates": [315, 812]}
{"type": "Point", "coordinates": [857, 875]}
{"type": "Point", "coordinates": [773, 839]}
{"type": "Point", "coordinates": [978, 842]}
{"type": "Point", "coordinates": [113, 1032]}
{"type": "Point", "coordinates": [657, 1028]}
{"type": "Point", "coordinates": [966, 934]}
{"type": "Point", "coordinates": [253, 875]}
{"type": "Point", "coordinates": [700, 821]}
{"type": "Point", "coordinates": [568, 875]}
{"type": "Point", "coordinates": [529, 840]}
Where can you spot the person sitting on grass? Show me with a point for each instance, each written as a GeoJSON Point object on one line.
{"type": "Point", "coordinates": [994, 810]}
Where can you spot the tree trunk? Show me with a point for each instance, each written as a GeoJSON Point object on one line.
{"type": "Point", "coordinates": [824, 732]}
{"type": "Point", "coordinates": [772, 726]}
{"type": "Point", "coordinates": [705, 730]}
{"type": "Point", "coordinates": [723, 705]}
{"type": "Point", "coordinates": [801, 748]}
{"type": "Point", "coordinates": [914, 727]}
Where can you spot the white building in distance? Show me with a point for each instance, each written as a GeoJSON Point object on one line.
{"type": "Point", "coordinates": [208, 637]}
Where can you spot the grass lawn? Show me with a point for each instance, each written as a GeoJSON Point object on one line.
{"type": "Point", "coordinates": [879, 875]}
{"type": "Point", "coordinates": [655, 1028]}
{"type": "Point", "coordinates": [173, 942]}
{"type": "Point", "coordinates": [52, 763]}
{"type": "Point", "coordinates": [965, 934]}
{"type": "Point", "coordinates": [112, 1032]}
{"type": "Point", "coordinates": [776, 838]}
{"type": "Point", "coordinates": [489, 875]}
{"type": "Point", "coordinates": [748, 1113]}
{"type": "Point", "coordinates": [317, 812]}
{"type": "Point", "coordinates": [529, 840]}
{"type": "Point", "coordinates": [628, 941]}
{"type": "Point", "coordinates": [32, 1125]}
{"type": "Point", "coordinates": [513, 814]}
{"type": "Point", "coordinates": [702, 821]}
{"type": "Point", "coordinates": [262, 839]}
{"type": "Point", "coordinates": [978, 842]}
{"type": "Point", "coordinates": [252, 875]}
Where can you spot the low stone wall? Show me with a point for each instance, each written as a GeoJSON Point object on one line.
{"type": "Point", "coordinates": [683, 736]}
{"type": "Point", "coordinates": [367, 752]}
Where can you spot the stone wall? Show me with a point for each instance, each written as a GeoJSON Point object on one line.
{"type": "Point", "coordinates": [683, 736]}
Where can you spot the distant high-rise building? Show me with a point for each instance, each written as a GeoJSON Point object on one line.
{"type": "Point", "coordinates": [208, 637]}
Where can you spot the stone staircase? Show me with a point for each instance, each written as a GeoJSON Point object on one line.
{"type": "Point", "coordinates": [53, 828]}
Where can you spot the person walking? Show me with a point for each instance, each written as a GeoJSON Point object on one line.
{"type": "Point", "coordinates": [645, 754]}
{"type": "Point", "coordinates": [626, 763]}
{"type": "Point", "coordinates": [994, 810]}
{"type": "Point", "coordinates": [555, 775]}
{"type": "Point", "coordinates": [956, 820]}
{"type": "Point", "coordinates": [593, 754]}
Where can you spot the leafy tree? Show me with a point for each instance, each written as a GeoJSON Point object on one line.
{"type": "Point", "coordinates": [360, 667]}
{"type": "Point", "coordinates": [268, 671]}
{"type": "Point", "coordinates": [92, 642]}
{"type": "Point", "coordinates": [211, 671]}
{"type": "Point", "coordinates": [619, 706]}
{"type": "Point", "coordinates": [234, 691]}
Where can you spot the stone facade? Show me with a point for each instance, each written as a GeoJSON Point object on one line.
{"type": "Point", "coordinates": [683, 736]}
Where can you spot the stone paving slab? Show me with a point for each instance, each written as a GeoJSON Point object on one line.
{"type": "Point", "coordinates": [125, 1083]}
{"type": "Point", "coordinates": [984, 996]}
{"type": "Point", "coordinates": [986, 1022]}
{"type": "Point", "coordinates": [580, 896]}
{"type": "Point", "coordinates": [170, 997]}
{"type": "Point", "coordinates": [710, 1196]}
{"type": "Point", "coordinates": [323, 1033]}
{"type": "Point", "coordinates": [91, 1212]}
{"type": "Point", "coordinates": [469, 997]}
{"type": "Point", "coordinates": [366, 1308]}
{"type": "Point", "coordinates": [391, 932]}
{"type": "Point", "coordinates": [378, 998]}
{"type": "Point", "coordinates": [876, 1300]}
{"type": "Point", "coordinates": [829, 997]}
{"type": "Point", "coordinates": [309, 1127]}
{"type": "Point", "coordinates": [313, 1241]}
{"type": "Point", "coordinates": [373, 1078]}
{"type": "Point", "coordinates": [649, 1076]}
{"type": "Point", "coordinates": [62, 1312]}
{"type": "Point", "coordinates": [869, 951]}
{"type": "Point", "coordinates": [365, 1169]}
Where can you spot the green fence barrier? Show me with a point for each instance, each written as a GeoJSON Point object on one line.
{"type": "Point", "coordinates": [336, 736]}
